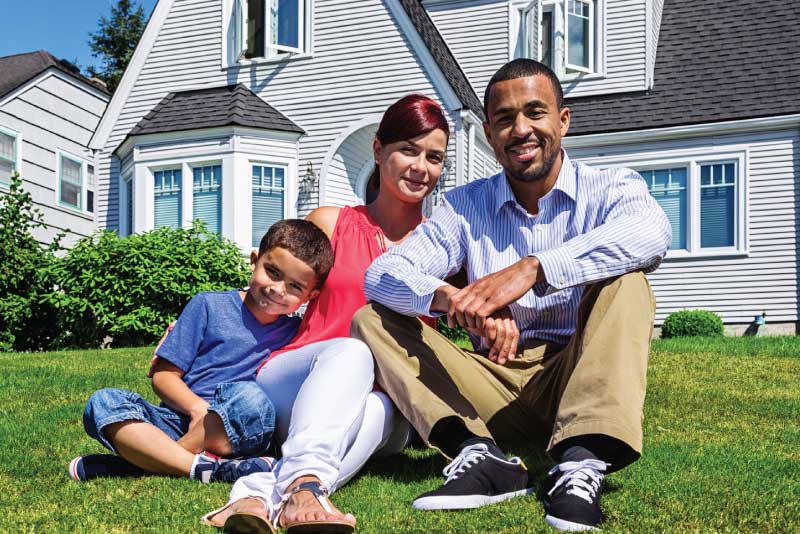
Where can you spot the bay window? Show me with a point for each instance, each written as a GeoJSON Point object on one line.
{"type": "Point", "coordinates": [207, 196]}
{"type": "Point", "coordinates": [167, 198]}
{"type": "Point", "coordinates": [269, 186]}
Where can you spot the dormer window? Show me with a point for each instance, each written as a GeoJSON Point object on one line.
{"type": "Point", "coordinates": [565, 35]}
{"type": "Point", "coordinates": [269, 29]}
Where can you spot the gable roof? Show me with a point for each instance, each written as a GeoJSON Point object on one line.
{"type": "Point", "coordinates": [717, 60]}
{"type": "Point", "coordinates": [19, 69]}
{"type": "Point", "coordinates": [230, 105]}
{"type": "Point", "coordinates": [441, 53]}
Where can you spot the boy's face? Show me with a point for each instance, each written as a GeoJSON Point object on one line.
{"type": "Point", "coordinates": [280, 283]}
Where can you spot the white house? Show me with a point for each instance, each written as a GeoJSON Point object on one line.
{"type": "Point", "coordinates": [243, 111]}
{"type": "Point", "coordinates": [48, 113]}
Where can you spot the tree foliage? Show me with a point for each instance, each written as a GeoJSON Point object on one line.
{"type": "Point", "coordinates": [24, 318]}
{"type": "Point", "coordinates": [115, 41]}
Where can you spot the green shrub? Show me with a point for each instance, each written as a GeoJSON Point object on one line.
{"type": "Point", "coordinates": [691, 323]}
{"type": "Point", "coordinates": [25, 320]}
{"type": "Point", "coordinates": [130, 288]}
{"type": "Point", "coordinates": [455, 335]}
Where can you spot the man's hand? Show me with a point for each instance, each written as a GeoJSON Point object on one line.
{"type": "Point", "coordinates": [471, 306]}
{"type": "Point", "coordinates": [502, 334]}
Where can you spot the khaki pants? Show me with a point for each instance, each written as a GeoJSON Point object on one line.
{"type": "Point", "coordinates": [594, 385]}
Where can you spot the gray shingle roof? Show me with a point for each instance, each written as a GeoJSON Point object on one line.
{"type": "Point", "coordinates": [443, 56]}
{"type": "Point", "coordinates": [231, 105]}
{"type": "Point", "coordinates": [717, 60]}
{"type": "Point", "coordinates": [19, 69]}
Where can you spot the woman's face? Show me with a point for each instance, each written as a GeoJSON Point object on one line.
{"type": "Point", "coordinates": [410, 169]}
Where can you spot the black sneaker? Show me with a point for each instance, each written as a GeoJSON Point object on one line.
{"type": "Point", "coordinates": [93, 466]}
{"type": "Point", "coordinates": [476, 478]}
{"type": "Point", "coordinates": [208, 468]}
{"type": "Point", "coordinates": [573, 502]}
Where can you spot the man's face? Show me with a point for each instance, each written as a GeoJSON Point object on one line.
{"type": "Point", "coordinates": [525, 127]}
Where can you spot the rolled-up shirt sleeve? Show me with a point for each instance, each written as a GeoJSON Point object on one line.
{"type": "Point", "coordinates": [633, 235]}
{"type": "Point", "coordinates": [406, 276]}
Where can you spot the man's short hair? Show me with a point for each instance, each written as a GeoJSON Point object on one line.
{"type": "Point", "coordinates": [305, 241]}
{"type": "Point", "coordinates": [523, 68]}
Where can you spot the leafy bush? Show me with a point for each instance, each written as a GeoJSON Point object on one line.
{"type": "Point", "coordinates": [455, 335]}
{"type": "Point", "coordinates": [130, 288]}
{"type": "Point", "coordinates": [24, 319]}
{"type": "Point", "coordinates": [690, 323]}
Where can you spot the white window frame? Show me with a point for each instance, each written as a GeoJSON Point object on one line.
{"type": "Point", "coordinates": [692, 161]}
{"type": "Point", "coordinates": [560, 39]}
{"type": "Point", "coordinates": [183, 222]}
{"type": "Point", "coordinates": [592, 32]}
{"type": "Point", "coordinates": [233, 49]}
{"type": "Point", "coordinates": [82, 200]}
{"type": "Point", "coordinates": [17, 152]}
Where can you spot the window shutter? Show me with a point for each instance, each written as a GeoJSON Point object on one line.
{"type": "Point", "coordinates": [207, 196]}
{"type": "Point", "coordinates": [268, 189]}
{"type": "Point", "coordinates": [167, 198]}
{"type": "Point", "coordinates": [717, 205]}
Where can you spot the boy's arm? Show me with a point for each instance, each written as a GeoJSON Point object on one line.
{"type": "Point", "coordinates": [168, 384]}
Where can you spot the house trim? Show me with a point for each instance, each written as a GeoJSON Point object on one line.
{"type": "Point", "coordinates": [131, 74]}
{"type": "Point", "coordinates": [429, 65]}
{"type": "Point", "coordinates": [368, 120]}
{"type": "Point", "coordinates": [52, 71]}
{"type": "Point", "coordinates": [680, 132]}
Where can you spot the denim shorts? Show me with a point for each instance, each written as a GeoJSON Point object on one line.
{"type": "Point", "coordinates": [245, 410]}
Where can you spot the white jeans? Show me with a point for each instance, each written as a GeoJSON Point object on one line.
{"type": "Point", "coordinates": [327, 417]}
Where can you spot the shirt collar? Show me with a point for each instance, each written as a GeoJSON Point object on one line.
{"type": "Point", "coordinates": [567, 183]}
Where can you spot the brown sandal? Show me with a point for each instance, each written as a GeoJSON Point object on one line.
{"type": "Point", "coordinates": [307, 527]}
{"type": "Point", "coordinates": [244, 522]}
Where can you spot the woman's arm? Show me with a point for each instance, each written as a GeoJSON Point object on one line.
{"type": "Point", "coordinates": [325, 217]}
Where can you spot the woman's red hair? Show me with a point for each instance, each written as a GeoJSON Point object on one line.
{"type": "Point", "coordinates": [409, 117]}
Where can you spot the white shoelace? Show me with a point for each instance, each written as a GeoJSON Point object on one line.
{"type": "Point", "coordinates": [582, 478]}
{"type": "Point", "coordinates": [468, 457]}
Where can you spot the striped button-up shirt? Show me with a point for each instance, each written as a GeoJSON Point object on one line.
{"type": "Point", "coordinates": [594, 224]}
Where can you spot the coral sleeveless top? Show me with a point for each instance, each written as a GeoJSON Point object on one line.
{"type": "Point", "coordinates": [357, 240]}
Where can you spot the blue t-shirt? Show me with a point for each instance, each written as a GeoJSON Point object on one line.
{"type": "Point", "coordinates": [217, 339]}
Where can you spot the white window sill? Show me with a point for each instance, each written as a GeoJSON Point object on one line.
{"type": "Point", "coordinates": [283, 58]}
{"type": "Point", "coordinates": [707, 254]}
{"type": "Point", "coordinates": [76, 211]}
{"type": "Point", "coordinates": [582, 77]}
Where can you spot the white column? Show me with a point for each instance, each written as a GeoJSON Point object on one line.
{"type": "Point", "coordinates": [187, 195]}
{"type": "Point", "coordinates": [143, 206]}
{"type": "Point", "coordinates": [241, 202]}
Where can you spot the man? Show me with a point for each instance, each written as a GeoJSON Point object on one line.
{"type": "Point", "coordinates": [557, 305]}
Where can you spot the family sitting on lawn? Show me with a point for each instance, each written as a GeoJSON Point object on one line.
{"type": "Point", "coordinates": [555, 301]}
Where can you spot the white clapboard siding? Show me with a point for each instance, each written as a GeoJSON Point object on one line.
{"type": "Point", "coordinates": [485, 163]}
{"type": "Point", "coordinates": [53, 114]}
{"type": "Point", "coordinates": [626, 24]}
{"type": "Point", "coordinates": [361, 64]}
{"type": "Point", "coordinates": [476, 31]}
{"type": "Point", "coordinates": [738, 288]}
{"type": "Point", "coordinates": [652, 40]}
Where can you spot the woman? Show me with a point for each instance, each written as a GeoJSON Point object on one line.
{"type": "Point", "coordinates": [321, 383]}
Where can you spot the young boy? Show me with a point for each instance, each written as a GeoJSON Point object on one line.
{"type": "Point", "coordinates": [204, 371]}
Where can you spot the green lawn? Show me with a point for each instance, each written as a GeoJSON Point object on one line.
{"type": "Point", "coordinates": [722, 453]}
